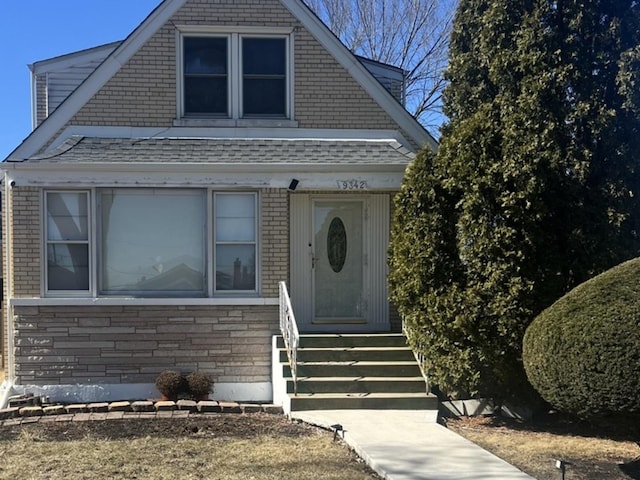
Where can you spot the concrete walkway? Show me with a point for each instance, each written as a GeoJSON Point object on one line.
{"type": "Point", "coordinates": [411, 445]}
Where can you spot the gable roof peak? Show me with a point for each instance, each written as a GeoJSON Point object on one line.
{"type": "Point", "coordinates": [50, 127]}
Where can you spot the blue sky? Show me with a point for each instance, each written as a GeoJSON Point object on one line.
{"type": "Point", "coordinates": [34, 30]}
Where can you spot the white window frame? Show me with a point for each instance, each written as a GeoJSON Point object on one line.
{"type": "Point", "coordinates": [46, 242]}
{"type": "Point", "coordinates": [214, 244]}
{"type": "Point", "coordinates": [95, 260]}
{"type": "Point", "coordinates": [235, 77]}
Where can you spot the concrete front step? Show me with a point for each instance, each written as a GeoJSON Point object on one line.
{"type": "Point", "coordinates": [358, 385]}
{"type": "Point", "coordinates": [373, 401]}
{"type": "Point", "coordinates": [349, 340]}
{"type": "Point", "coordinates": [340, 354]}
{"type": "Point", "coordinates": [355, 369]}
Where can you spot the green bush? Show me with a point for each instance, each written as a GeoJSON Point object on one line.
{"type": "Point", "coordinates": [582, 354]}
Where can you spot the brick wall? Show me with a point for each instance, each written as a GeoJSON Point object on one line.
{"type": "Point", "coordinates": [143, 92]}
{"type": "Point", "coordinates": [25, 230]}
{"type": "Point", "coordinates": [26, 223]}
{"type": "Point", "coordinates": [275, 240]}
{"type": "Point", "coordinates": [121, 344]}
{"type": "Point", "coordinates": [105, 345]}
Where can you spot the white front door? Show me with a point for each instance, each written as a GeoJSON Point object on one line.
{"type": "Point", "coordinates": [338, 262]}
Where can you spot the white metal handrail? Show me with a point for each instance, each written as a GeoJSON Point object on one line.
{"type": "Point", "coordinates": [290, 333]}
{"type": "Point", "coordinates": [417, 352]}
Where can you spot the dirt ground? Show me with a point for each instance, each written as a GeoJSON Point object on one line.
{"type": "Point", "coordinates": [219, 426]}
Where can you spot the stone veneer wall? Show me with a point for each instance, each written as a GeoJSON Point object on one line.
{"type": "Point", "coordinates": [66, 345]}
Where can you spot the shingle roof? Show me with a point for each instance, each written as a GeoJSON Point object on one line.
{"type": "Point", "coordinates": [91, 150]}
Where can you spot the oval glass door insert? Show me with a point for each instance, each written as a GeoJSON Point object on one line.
{"type": "Point", "coordinates": [337, 244]}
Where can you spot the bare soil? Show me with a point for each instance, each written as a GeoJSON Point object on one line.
{"type": "Point", "coordinates": [223, 426]}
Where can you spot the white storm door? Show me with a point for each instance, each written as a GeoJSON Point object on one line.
{"type": "Point", "coordinates": [338, 262]}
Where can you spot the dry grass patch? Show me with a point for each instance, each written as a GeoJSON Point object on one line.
{"type": "Point", "coordinates": [593, 454]}
{"type": "Point", "coordinates": [261, 448]}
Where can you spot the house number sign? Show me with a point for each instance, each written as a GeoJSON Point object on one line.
{"type": "Point", "coordinates": [352, 184]}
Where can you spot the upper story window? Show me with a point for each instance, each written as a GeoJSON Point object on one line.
{"type": "Point", "coordinates": [206, 76]}
{"type": "Point", "coordinates": [264, 76]}
{"type": "Point", "coordinates": [236, 76]}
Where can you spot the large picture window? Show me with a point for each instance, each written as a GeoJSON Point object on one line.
{"type": "Point", "coordinates": [67, 241]}
{"type": "Point", "coordinates": [236, 76]}
{"type": "Point", "coordinates": [152, 241]}
{"type": "Point", "coordinates": [149, 242]}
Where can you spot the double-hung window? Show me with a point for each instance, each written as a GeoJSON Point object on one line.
{"type": "Point", "coordinates": [206, 79]}
{"type": "Point", "coordinates": [150, 242]}
{"type": "Point", "coordinates": [67, 241]}
{"type": "Point", "coordinates": [236, 76]}
{"type": "Point", "coordinates": [264, 77]}
{"type": "Point", "coordinates": [235, 241]}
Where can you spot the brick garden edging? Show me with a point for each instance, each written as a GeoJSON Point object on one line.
{"type": "Point", "coordinates": [127, 410]}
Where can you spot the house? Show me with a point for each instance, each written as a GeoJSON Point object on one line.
{"type": "Point", "coordinates": [175, 178]}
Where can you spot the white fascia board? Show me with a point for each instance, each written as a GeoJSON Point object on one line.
{"type": "Point", "coordinates": [316, 177]}
{"type": "Point", "coordinates": [230, 133]}
{"type": "Point", "coordinates": [75, 58]}
{"type": "Point", "coordinates": [67, 109]}
{"type": "Point", "coordinates": [342, 54]}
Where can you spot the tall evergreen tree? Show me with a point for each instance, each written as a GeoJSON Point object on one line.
{"type": "Point", "coordinates": [535, 188]}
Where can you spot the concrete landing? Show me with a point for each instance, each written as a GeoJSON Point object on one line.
{"type": "Point", "coordinates": [411, 445]}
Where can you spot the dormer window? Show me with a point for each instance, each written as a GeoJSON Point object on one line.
{"type": "Point", "coordinates": [264, 77]}
{"type": "Point", "coordinates": [244, 76]}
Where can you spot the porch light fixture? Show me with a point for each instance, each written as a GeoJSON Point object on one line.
{"type": "Point", "coordinates": [294, 184]}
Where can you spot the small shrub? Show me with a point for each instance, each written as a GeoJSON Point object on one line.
{"type": "Point", "coordinates": [199, 384]}
{"type": "Point", "coordinates": [582, 354]}
{"type": "Point", "coordinates": [170, 384]}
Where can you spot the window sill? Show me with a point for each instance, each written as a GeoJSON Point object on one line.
{"type": "Point", "coordinates": [130, 301]}
{"type": "Point", "coordinates": [233, 123]}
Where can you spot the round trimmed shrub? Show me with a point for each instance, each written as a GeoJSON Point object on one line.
{"type": "Point", "coordinates": [199, 385]}
{"type": "Point", "coordinates": [582, 354]}
{"type": "Point", "coordinates": [171, 384]}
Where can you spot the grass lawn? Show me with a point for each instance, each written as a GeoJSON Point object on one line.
{"type": "Point", "coordinates": [593, 453]}
{"type": "Point", "coordinates": [242, 447]}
